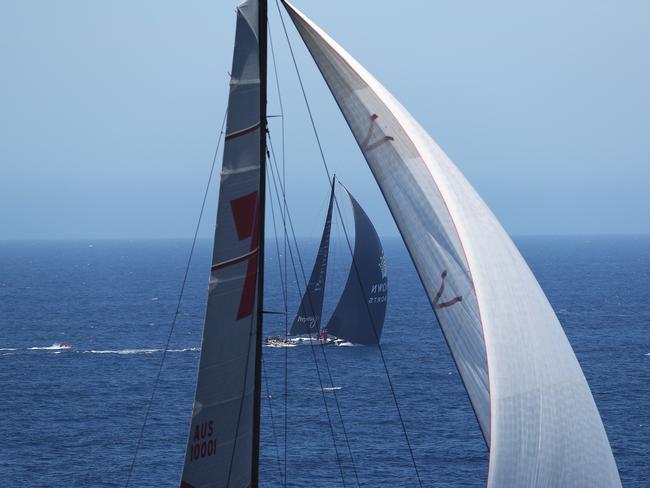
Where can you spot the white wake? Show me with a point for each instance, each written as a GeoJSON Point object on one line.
{"type": "Point", "coordinates": [54, 347]}
{"type": "Point", "coordinates": [139, 351]}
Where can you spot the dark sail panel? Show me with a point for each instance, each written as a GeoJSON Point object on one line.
{"type": "Point", "coordinates": [307, 319]}
{"type": "Point", "coordinates": [222, 444]}
{"type": "Point", "coordinates": [353, 320]}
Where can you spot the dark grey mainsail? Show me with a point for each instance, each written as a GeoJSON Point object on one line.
{"type": "Point", "coordinates": [359, 315]}
{"type": "Point", "coordinates": [307, 319]}
{"type": "Point", "coordinates": [223, 442]}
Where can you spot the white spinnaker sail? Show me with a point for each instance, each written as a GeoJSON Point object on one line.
{"type": "Point", "coordinates": [220, 444]}
{"type": "Point", "coordinates": [524, 382]}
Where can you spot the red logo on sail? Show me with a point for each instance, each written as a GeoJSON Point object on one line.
{"type": "Point", "coordinates": [448, 303]}
{"type": "Point", "coordinates": [245, 212]}
{"type": "Point", "coordinates": [366, 145]}
{"type": "Point", "coordinates": [246, 215]}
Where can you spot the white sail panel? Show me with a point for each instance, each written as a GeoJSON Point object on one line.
{"type": "Point", "coordinates": [220, 444]}
{"type": "Point", "coordinates": [526, 387]}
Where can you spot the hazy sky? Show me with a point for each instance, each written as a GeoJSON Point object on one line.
{"type": "Point", "coordinates": [109, 111]}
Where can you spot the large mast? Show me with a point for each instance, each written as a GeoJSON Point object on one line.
{"type": "Point", "coordinates": [262, 34]}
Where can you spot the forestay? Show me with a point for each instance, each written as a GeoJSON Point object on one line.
{"type": "Point", "coordinates": [220, 445]}
{"type": "Point", "coordinates": [308, 318]}
{"type": "Point", "coordinates": [359, 315]}
{"type": "Point", "coordinates": [529, 394]}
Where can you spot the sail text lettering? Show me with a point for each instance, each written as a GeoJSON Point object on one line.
{"type": "Point", "coordinates": [203, 445]}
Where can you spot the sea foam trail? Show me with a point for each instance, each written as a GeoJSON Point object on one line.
{"type": "Point", "coordinates": [139, 351]}
{"type": "Point", "coordinates": [8, 349]}
{"type": "Point", "coordinates": [54, 347]}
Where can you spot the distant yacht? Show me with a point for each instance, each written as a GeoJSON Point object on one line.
{"type": "Point", "coordinates": [360, 312]}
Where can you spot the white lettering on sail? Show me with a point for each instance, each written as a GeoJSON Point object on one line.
{"type": "Point", "coordinates": [382, 267]}
{"type": "Point", "coordinates": [379, 288]}
{"type": "Point", "coordinates": [311, 321]}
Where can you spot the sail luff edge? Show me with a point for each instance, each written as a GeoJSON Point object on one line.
{"type": "Point", "coordinates": [262, 40]}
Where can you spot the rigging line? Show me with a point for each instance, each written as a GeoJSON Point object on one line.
{"type": "Point", "coordinates": [277, 82]}
{"type": "Point", "coordinates": [283, 283]}
{"type": "Point", "coordinates": [293, 263]}
{"type": "Point", "coordinates": [318, 374]}
{"type": "Point", "coordinates": [304, 93]}
{"type": "Point", "coordinates": [327, 171]}
{"type": "Point", "coordinates": [379, 348]}
{"type": "Point", "coordinates": [178, 304]}
{"type": "Point", "coordinates": [338, 408]}
{"type": "Point", "coordinates": [243, 396]}
{"type": "Point", "coordinates": [293, 232]}
{"type": "Point", "coordinates": [322, 346]}
{"type": "Point", "coordinates": [269, 402]}
{"type": "Point", "coordinates": [285, 292]}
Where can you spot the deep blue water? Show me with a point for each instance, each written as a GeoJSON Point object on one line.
{"type": "Point", "coordinates": [72, 418]}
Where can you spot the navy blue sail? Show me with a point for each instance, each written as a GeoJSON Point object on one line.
{"type": "Point", "coordinates": [308, 318]}
{"type": "Point", "coordinates": [359, 315]}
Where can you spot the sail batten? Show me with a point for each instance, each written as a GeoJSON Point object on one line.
{"type": "Point", "coordinates": [524, 382]}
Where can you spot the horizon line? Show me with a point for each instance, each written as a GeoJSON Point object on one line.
{"type": "Point", "coordinates": [203, 238]}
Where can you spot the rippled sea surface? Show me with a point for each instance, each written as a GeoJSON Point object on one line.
{"type": "Point", "coordinates": [73, 417]}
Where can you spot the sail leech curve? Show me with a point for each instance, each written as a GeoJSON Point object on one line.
{"type": "Point", "coordinates": [533, 403]}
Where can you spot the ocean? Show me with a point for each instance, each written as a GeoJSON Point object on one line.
{"type": "Point", "coordinates": [72, 417]}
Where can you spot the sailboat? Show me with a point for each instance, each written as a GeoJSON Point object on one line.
{"type": "Point", "coordinates": [525, 385]}
{"type": "Point", "coordinates": [359, 315]}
